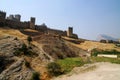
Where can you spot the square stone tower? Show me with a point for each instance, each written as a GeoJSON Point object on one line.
{"type": "Point", "coordinates": [70, 32]}
{"type": "Point", "coordinates": [18, 17]}
{"type": "Point", "coordinates": [32, 23]}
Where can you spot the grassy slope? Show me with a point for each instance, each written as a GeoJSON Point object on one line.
{"type": "Point", "coordinates": [12, 32]}
{"type": "Point", "coordinates": [69, 63]}
{"type": "Point", "coordinates": [103, 46]}
{"type": "Point", "coordinates": [92, 44]}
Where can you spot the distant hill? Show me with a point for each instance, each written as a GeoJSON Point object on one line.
{"type": "Point", "coordinates": [106, 37]}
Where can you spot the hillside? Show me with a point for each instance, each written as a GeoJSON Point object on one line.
{"type": "Point", "coordinates": [11, 32]}
{"type": "Point", "coordinates": [89, 45]}
{"type": "Point", "coordinates": [43, 49]}
{"type": "Point", "coordinates": [19, 64]}
{"type": "Point", "coordinates": [106, 37]}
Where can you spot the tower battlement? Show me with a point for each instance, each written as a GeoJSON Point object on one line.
{"type": "Point", "coordinates": [2, 14]}
{"type": "Point", "coordinates": [16, 17]}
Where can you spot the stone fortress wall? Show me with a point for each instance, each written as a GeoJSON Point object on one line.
{"type": "Point", "coordinates": [14, 21]}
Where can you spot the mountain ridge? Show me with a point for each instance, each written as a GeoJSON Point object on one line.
{"type": "Point", "coordinates": [106, 37]}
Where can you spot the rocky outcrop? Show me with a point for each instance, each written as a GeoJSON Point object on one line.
{"type": "Point", "coordinates": [8, 45]}
{"type": "Point", "coordinates": [12, 67]}
{"type": "Point", "coordinates": [17, 71]}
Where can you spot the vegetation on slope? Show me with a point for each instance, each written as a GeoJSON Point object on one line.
{"type": "Point", "coordinates": [88, 45]}
{"type": "Point", "coordinates": [103, 59]}
{"type": "Point", "coordinates": [95, 52]}
{"type": "Point", "coordinates": [35, 76]}
{"type": "Point", "coordinates": [54, 69]}
{"type": "Point", "coordinates": [68, 64]}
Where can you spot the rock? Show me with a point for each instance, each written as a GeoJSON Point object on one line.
{"type": "Point", "coordinates": [16, 72]}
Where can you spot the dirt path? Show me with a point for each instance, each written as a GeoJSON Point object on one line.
{"type": "Point", "coordinates": [97, 71]}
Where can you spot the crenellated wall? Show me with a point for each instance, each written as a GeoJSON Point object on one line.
{"type": "Point", "coordinates": [13, 21]}
{"type": "Point", "coordinates": [57, 32]}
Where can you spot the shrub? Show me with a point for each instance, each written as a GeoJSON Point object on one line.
{"type": "Point", "coordinates": [27, 64]}
{"type": "Point", "coordinates": [103, 59]}
{"type": "Point", "coordinates": [24, 48]}
{"type": "Point", "coordinates": [35, 76]}
{"type": "Point", "coordinates": [15, 38]}
{"type": "Point", "coordinates": [68, 64]}
{"type": "Point", "coordinates": [17, 52]}
{"type": "Point", "coordinates": [95, 52]}
{"type": "Point", "coordinates": [54, 69]}
{"type": "Point", "coordinates": [29, 39]}
{"type": "Point", "coordinates": [2, 65]}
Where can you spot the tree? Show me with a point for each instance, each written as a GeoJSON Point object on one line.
{"type": "Point", "coordinates": [54, 69]}
{"type": "Point", "coordinates": [29, 39]}
{"type": "Point", "coordinates": [24, 48]}
{"type": "Point", "coordinates": [35, 76]}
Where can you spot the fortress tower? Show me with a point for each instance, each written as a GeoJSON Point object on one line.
{"type": "Point", "coordinates": [32, 23]}
{"type": "Point", "coordinates": [70, 32]}
{"type": "Point", "coordinates": [11, 17]}
{"type": "Point", "coordinates": [18, 17]}
{"type": "Point", "coordinates": [2, 14]}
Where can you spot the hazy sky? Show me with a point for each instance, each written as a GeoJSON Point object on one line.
{"type": "Point", "coordinates": [89, 18]}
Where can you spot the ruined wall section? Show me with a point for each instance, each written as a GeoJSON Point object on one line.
{"type": "Point", "coordinates": [42, 28]}
{"type": "Point", "coordinates": [16, 17]}
{"type": "Point", "coordinates": [16, 24]}
{"type": "Point", "coordinates": [57, 32]}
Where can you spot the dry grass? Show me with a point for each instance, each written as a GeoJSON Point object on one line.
{"type": "Point", "coordinates": [88, 45]}
{"type": "Point", "coordinates": [12, 32]}
{"type": "Point", "coordinates": [30, 30]}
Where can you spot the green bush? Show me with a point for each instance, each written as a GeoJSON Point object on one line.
{"type": "Point", "coordinates": [17, 52]}
{"type": "Point", "coordinates": [68, 64]}
{"type": "Point", "coordinates": [35, 76]}
{"type": "Point", "coordinates": [95, 52]}
{"type": "Point", "coordinates": [29, 39]}
{"type": "Point", "coordinates": [27, 64]}
{"type": "Point", "coordinates": [103, 59]}
{"type": "Point", "coordinates": [54, 69]}
{"type": "Point", "coordinates": [24, 49]}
